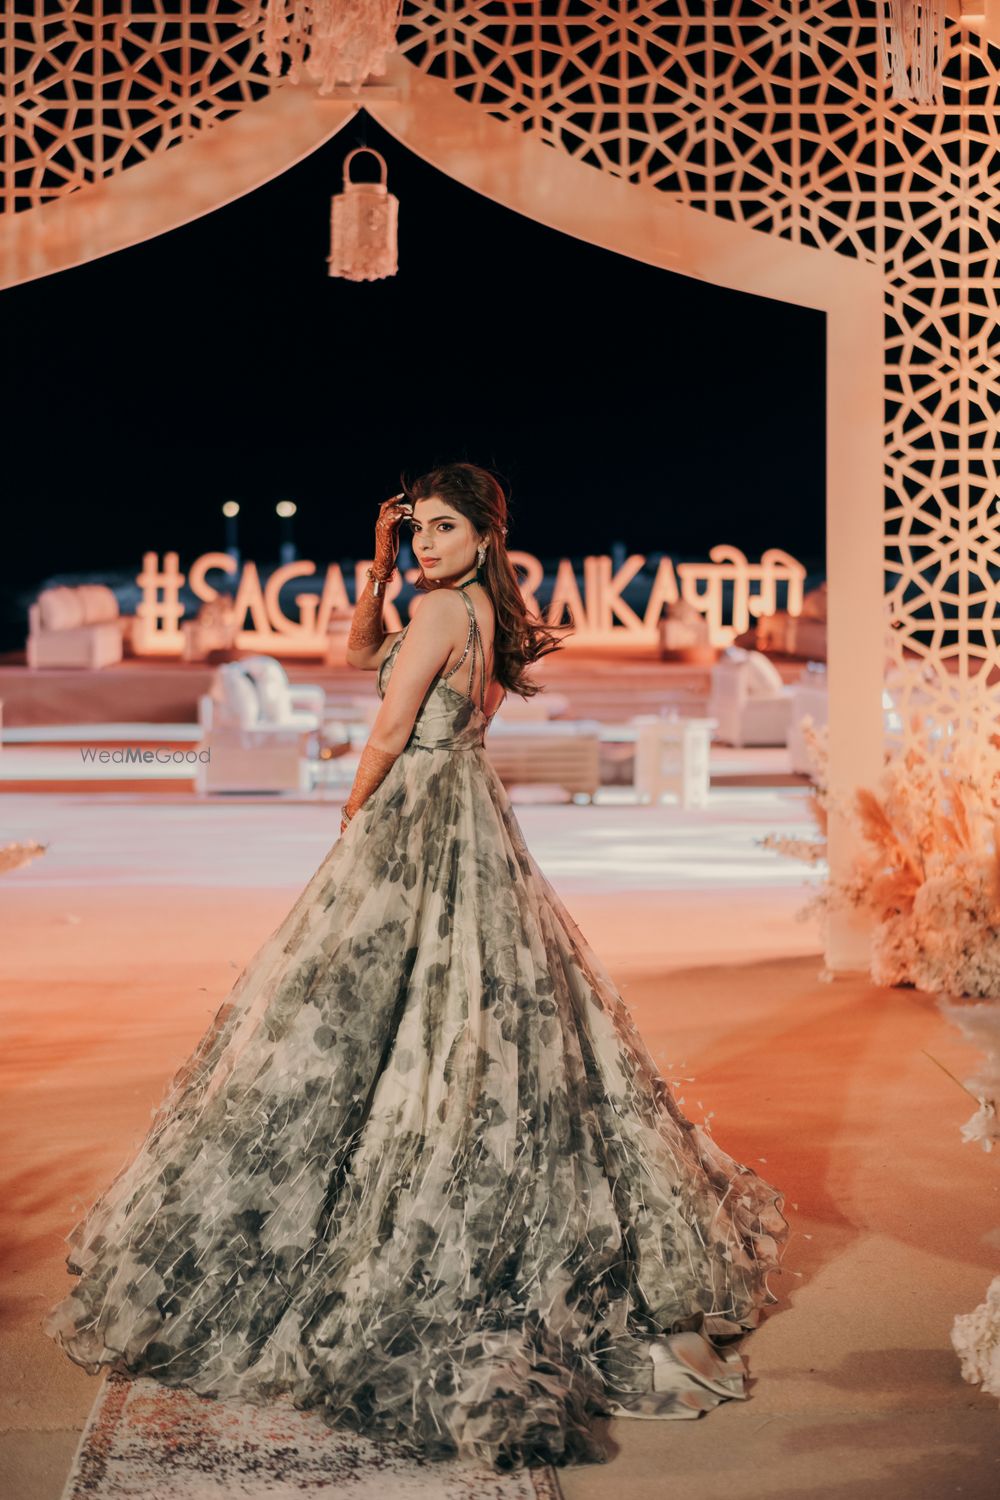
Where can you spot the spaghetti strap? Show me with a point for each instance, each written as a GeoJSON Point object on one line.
{"type": "Point", "coordinates": [473, 639]}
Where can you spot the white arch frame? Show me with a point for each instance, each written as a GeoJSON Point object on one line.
{"type": "Point", "coordinates": [519, 172]}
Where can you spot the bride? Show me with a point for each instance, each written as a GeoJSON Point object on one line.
{"type": "Point", "coordinates": [421, 1172]}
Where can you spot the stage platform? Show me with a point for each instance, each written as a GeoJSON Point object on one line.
{"type": "Point", "coordinates": [604, 685]}
{"type": "Point", "coordinates": [149, 691]}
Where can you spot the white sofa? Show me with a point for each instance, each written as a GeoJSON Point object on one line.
{"type": "Point", "coordinates": [74, 627]}
{"type": "Point", "coordinates": [748, 699]}
{"type": "Point", "coordinates": [257, 743]}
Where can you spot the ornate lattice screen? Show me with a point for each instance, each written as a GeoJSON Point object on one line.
{"type": "Point", "coordinates": [94, 88]}
{"type": "Point", "coordinates": [768, 114]}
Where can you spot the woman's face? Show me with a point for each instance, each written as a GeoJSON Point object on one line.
{"type": "Point", "coordinates": [444, 541]}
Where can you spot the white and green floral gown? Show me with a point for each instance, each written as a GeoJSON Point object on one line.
{"type": "Point", "coordinates": [421, 1172]}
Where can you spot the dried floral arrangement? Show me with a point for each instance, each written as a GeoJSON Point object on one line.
{"type": "Point", "coordinates": [929, 878]}
{"type": "Point", "coordinates": [14, 855]}
{"type": "Point", "coordinates": [929, 873]}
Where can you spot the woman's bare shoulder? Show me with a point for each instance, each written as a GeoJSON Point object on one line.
{"type": "Point", "coordinates": [438, 604]}
{"type": "Point", "coordinates": [441, 614]}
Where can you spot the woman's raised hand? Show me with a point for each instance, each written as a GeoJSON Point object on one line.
{"type": "Point", "coordinates": [391, 513]}
{"type": "Point", "coordinates": [367, 631]}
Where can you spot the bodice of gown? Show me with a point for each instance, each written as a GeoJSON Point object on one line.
{"type": "Point", "coordinates": [446, 720]}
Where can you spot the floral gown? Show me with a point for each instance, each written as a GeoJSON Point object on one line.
{"type": "Point", "coordinates": [421, 1172]}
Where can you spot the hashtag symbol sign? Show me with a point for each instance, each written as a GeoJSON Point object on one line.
{"type": "Point", "coordinates": [158, 616]}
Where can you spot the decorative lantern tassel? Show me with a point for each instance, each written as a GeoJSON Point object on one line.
{"type": "Point", "coordinates": [274, 35]}
{"type": "Point", "coordinates": [911, 43]}
{"type": "Point", "coordinates": [333, 41]}
{"type": "Point", "coordinates": [363, 226]}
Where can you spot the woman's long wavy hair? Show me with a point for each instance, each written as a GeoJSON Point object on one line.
{"type": "Point", "coordinates": [520, 639]}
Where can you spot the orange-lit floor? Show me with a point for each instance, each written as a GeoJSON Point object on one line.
{"type": "Point", "coordinates": [118, 945]}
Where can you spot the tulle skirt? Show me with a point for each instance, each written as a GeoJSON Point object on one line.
{"type": "Point", "coordinates": [421, 1172]}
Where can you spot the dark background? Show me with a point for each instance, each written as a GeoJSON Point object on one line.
{"type": "Point", "coordinates": [616, 401]}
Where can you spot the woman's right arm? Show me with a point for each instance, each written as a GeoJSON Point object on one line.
{"type": "Point", "coordinates": [368, 643]}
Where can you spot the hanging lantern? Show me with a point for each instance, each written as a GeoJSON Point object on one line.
{"type": "Point", "coordinates": [911, 44]}
{"type": "Point", "coordinates": [363, 223]}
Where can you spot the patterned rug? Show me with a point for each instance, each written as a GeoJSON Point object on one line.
{"type": "Point", "coordinates": [145, 1441]}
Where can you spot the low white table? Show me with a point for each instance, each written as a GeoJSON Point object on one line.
{"type": "Point", "coordinates": [672, 755]}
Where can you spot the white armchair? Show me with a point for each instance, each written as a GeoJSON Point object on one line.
{"type": "Point", "coordinates": [74, 627]}
{"type": "Point", "coordinates": [248, 751]}
{"type": "Point", "coordinates": [749, 700]}
{"type": "Point", "coordinates": [297, 704]}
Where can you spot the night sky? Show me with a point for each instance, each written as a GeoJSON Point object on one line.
{"type": "Point", "coordinates": [617, 401]}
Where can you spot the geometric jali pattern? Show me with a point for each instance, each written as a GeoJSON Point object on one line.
{"type": "Point", "coordinates": [767, 112]}
{"type": "Point", "coordinates": [93, 89]}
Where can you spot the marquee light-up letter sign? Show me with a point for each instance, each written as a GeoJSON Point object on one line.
{"type": "Point", "coordinates": [590, 617]}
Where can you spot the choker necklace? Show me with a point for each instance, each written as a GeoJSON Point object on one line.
{"type": "Point", "coordinates": [465, 585]}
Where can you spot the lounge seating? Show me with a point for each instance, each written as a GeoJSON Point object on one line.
{"type": "Point", "coordinates": [214, 628]}
{"type": "Point", "coordinates": [801, 635]}
{"type": "Point", "coordinates": [685, 635]}
{"type": "Point", "coordinates": [565, 754]}
{"type": "Point", "coordinates": [250, 751]}
{"type": "Point", "coordinates": [295, 704]}
{"type": "Point", "coordinates": [749, 700]}
{"type": "Point", "coordinates": [74, 627]}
